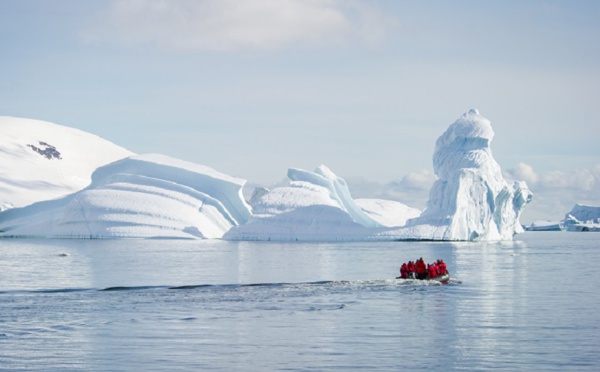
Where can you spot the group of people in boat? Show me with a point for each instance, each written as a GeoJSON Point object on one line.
{"type": "Point", "coordinates": [422, 271]}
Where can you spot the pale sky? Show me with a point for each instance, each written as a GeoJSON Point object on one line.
{"type": "Point", "coordinates": [254, 87]}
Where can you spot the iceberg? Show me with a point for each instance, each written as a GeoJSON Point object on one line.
{"type": "Point", "coordinates": [316, 206]}
{"type": "Point", "coordinates": [582, 218]}
{"type": "Point", "coordinates": [42, 160]}
{"type": "Point", "coordinates": [544, 226]}
{"type": "Point", "coordinates": [470, 199]}
{"type": "Point", "coordinates": [144, 196]}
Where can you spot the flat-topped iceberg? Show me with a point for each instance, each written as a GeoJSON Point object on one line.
{"type": "Point", "coordinates": [142, 196]}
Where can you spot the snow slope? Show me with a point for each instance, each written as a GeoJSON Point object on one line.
{"type": "Point", "coordinates": [41, 160]}
{"type": "Point", "coordinates": [388, 213]}
{"type": "Point", "coordinates": [143, 196]}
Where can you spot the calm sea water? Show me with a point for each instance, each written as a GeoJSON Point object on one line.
{"type": "Point", "coordinates": [531, 304]}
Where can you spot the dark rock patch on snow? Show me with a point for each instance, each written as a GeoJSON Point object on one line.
{"type": "Point", "coordinates": [46, 150]}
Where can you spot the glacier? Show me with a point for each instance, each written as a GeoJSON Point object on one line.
{"type": "Point", "coordinates": [142, 196]}
{"type": "Point", "coordinates": [42, 160]}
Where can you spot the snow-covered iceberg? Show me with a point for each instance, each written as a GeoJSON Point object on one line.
{"type": "Point", "coordinates": [41, 160]}
{"type": "Point", "coordinates": [142, 196]}
{"type": "Point", "coordinates": [470, 200]}
{"type": "Point", "coordinates": [582, 218]}
{"type": "Point", "coordinates": [316, 206]}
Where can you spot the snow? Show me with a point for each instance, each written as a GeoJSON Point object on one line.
{"type": "Point", "coordinates": [145, 196]}
{"type": "Point", "coordinates": [387, 213]}
{"type": "Point", "coordinates": [41, 160]}
{"type": "Point", "coordinates": [582, 218]}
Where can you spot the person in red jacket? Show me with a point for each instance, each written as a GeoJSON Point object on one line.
{"type": "Point", "coordinates": [411, 269]}
{"type": "Point", "coordinates": [441, 267]}
{"type": "Point", "coordinates": [404, 271]}
{"type": "Point", "coordinates": [421, 269]}
{"type": "Point", "coordinates": [432, 271]}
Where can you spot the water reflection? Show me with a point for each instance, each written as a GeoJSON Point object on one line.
{"type": "Point", "coordinates": [495, 279]}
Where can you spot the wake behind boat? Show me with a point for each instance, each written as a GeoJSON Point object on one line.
{"type": "Point", "coordinates": [444, 279]}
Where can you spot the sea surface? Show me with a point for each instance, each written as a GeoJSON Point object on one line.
{"type": "Point", "coordinates": [156, 305]}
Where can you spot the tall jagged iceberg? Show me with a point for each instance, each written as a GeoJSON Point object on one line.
{"type": "Point", "coordinates": [143, 196]}
{"type": "Point", "coordinates": [470, 200]}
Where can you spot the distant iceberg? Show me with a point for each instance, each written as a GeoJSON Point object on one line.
{"type": "Point", "coordinates": [146, 196]}
{"type": "Point", "coordinates": [544, 226]}
{"type": "Point", "coordinates": [582, 218]}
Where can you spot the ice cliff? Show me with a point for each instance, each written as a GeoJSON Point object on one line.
{"type": "Point", "coordinates": [138, 197]}
{"type": "Point", "coordinates": [41, 160]}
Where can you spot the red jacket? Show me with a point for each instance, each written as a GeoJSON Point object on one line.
{"type": "Point", "coordinates": [403, 271]}
{"type": "Point", "coordinates": [411, 267]}
{"type": "Point", "coordinates": [432, 271]}
{"type": "Point", "coordinates": [420, 267]}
